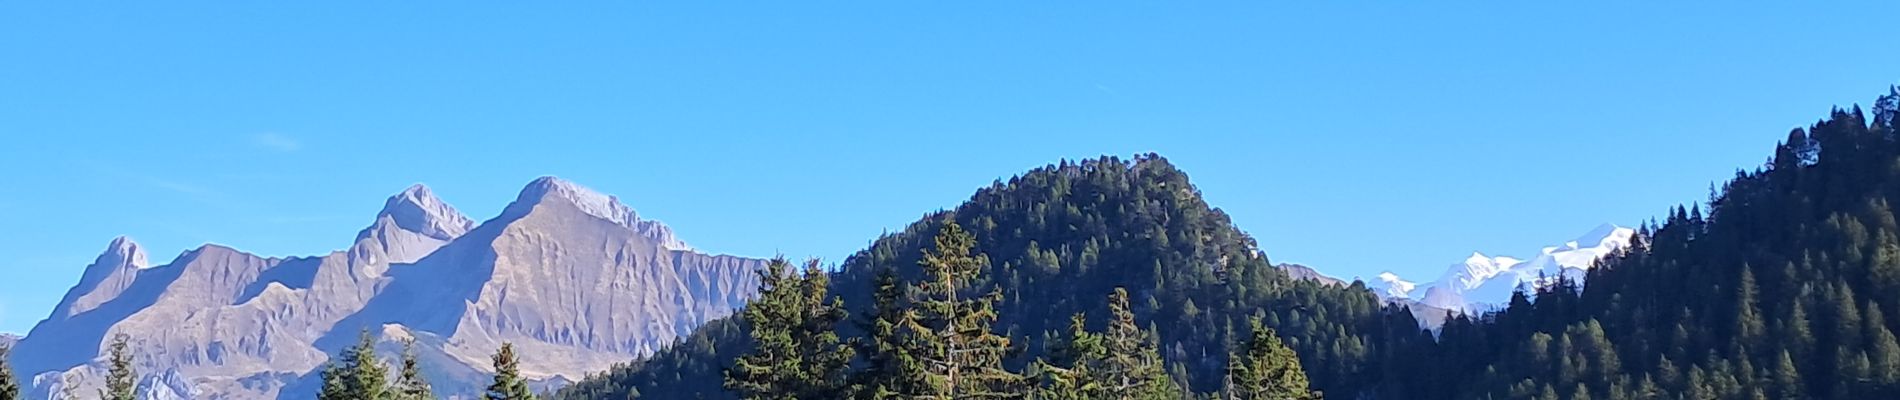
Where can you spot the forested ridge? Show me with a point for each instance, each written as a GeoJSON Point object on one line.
{"type": "Point", "coordinates": [1057, 241]}
{"type": "Point", "coordinates": [1778, 287]}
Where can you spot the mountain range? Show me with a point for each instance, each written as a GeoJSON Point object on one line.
{"type": "Point", "coordinates": [572, 277]}
{"type": "Point", "coordinates": [1484, 283]}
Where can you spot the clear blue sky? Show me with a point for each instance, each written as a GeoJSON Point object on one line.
{"type": "Point", "coordinates": [1353, 137]}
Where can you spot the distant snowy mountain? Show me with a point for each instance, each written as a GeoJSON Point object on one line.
{"type": "Point", "coordinates": [1483, 283]}
{"type": "Point", "coordinates": [569, 275]}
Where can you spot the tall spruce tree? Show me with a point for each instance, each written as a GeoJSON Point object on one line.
{"type": "Point", "coordinates": [796, 351]}
{"type": "Point", "coordinates": [1067, 374]}
{"type": "Point", "coordinates": [951, 328]}
{"type": "Point", "coordinates": [1267, 370]}
{"type": "Point", "coordinates": [1131, 368]}
{"type": "Point", "coordinates": [334, 386]}
{"type": "Point", "coordinates": [121, 377]}
{"type": "Point", "coordinates": [356, 373]}
{"type": "Point", "coordinates": [890, 368]}
{"type": "Point", "coordinates": [9, 386]}
{"type": "Point", "coordinates": [508, 384]}
{"type": "Point", "coordinates": [411, 385]}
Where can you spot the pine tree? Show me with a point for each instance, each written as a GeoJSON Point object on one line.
{"type": "Point", "coordinates": [890, 367]}
{"type": "Point", "coordinates": [121, 379]}
{"type": "Point", "coordinates": [9, 386]}
{"type": "Point", "coordinates": [1267, 370]}
{"type": "Point", "coordinates": [411, 385]}
{"type": "Point", "coordinates": [356, 373]}
{"type": "Point", "coordinates": [1786, 379]}
{"type": "Point", "coordinates": [796, 351]}
{"type": "Point", "coordinates": [508, 384]}
{"type": "Point", "coordinates": [369, 376]}
{"type": "Point", "coordinates": [1748, 327]}
{"type": "Point", "coordinates": [1132, 367]}
{"type": "Point", "coordinates": [334, 387]}
{"type": "Point", "coordinates": [828, 355]}
{"type": "Point", "coordinates": [963, 358]}
{"type": "Point", "coordinates": [1067, 374]}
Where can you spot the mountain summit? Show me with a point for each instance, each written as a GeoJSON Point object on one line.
{"type": "Point", "coordinates": [565, 273]}
{"type": "Point", "coordinates": [1482, 283]}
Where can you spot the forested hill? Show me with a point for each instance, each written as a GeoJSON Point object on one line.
{"type": "Point", "coordinates": [1057, 240]}
{"type": "Point", "coordinates": [1781, 287]}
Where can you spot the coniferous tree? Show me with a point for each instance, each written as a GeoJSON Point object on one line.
{"type": "Point", "coordinates": [411, 385]}
{"type": "Point", "coordinates": [1265, 369]}
{"type": "Point", "coordinates": [370, 377]}
{"type": "Point", "coordinates": [796, 352]}
{"type": "Point", "coordinates": [1131, 368]}
{"type": "Point", "coordinates": [9, 386]}
{"type": "Point", "coordinates": [950, 328]}
{"type": "Point", "coordinates": [1067, 373]}
{"type": "Point", "coordinates": [121, 379]}
{"type": "Point", "coordinates": [356, 373]}
{"type": "Point", "coordinates": [334, 382]}
{"type": "Point", "coordinates": [508, 383]}
{"type": "Point", "coordinates": [890, 367]}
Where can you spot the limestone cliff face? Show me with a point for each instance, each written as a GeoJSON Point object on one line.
{"type": "Point", "coordinates": [571, 276]}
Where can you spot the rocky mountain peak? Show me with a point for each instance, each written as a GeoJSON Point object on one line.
{"type": "Point", "coordinates": [107, 276]}
{"type": "Point", "coordinates": [416, 209]}
{"type": "Point", "coordinates": [553, 190]}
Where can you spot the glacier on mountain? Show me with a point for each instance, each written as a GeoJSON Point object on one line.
{"type": "Point", "coordinates": [1483, 283]}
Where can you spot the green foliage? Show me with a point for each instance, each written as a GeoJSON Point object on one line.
{"type": "Point", "coordinates": [121, 378]}
{"type": "Point", "coordinates": [1096, 225]}
{"type": "Point", "coordinates": [1121, 363]}
{"type": "Point", "coordinates": [1265, 369]}
{"type": "Point", "coordinates": [508, 384]}
{"type": "Point", "coordinates": [797, 353]}
{"type": "Point", "coordinates": [9, 385]}
{"type": "Point", "coordinates": [948, 328]}
{"type": "Point", "coordinates": [890, 368]}
{"type": "Point", "coordinates": [411, 385]}
{"type": "Point", "coordinates": [356, 373]}
{"type": "Point", "coordinates": [1777, 287]}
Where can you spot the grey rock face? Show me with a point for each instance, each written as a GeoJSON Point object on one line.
{"type": "Point", "coordinates": [575, 279]}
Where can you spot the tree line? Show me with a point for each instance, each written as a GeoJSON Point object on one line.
{"type": "Point", "coordinates": [355, 374]}
{"type": "Point", "coordinates": [935, 338]}
{"type": "Point", "coordinates": [358, 374]}
{"type": "Point", "coordinates": [1052, 244]}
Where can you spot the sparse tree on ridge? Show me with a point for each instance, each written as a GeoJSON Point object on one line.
{"type": "Point", "coordinates": [356, 373]}
{"type": "Point", "coordinates": [121, 376]}
{"type": "Point", "coordinates": [411, 385]}
{"type": "Point", "coordinates": [508, 384]}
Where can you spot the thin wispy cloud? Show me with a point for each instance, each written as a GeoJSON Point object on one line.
{"type": "Point", "coordinates": [276, 141]}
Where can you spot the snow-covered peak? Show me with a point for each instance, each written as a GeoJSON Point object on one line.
{"type": "Point", "coordinates": [606, 207]}
{"type": "Point", "coordinates": [1392, 287]}
{"type": "Point", "coordinates": [1483, 282]}
{"type": "Point", "coordinates": [123, 251]}
{"type": "Point", "coordinates": [416, 209]}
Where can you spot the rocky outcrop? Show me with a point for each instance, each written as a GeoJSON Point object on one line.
{"type": "Point", "coordinates": [571, 276]}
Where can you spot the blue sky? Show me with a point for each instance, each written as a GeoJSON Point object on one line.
{"type": "Point", "coordinates": [1353, 137]}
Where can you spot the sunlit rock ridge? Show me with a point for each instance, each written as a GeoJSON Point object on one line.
{"type": "Point", "coordinates": [574, 278]}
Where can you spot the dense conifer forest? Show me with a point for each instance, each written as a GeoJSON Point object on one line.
{"type": "Point", "coordinates": [1778, 286]}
